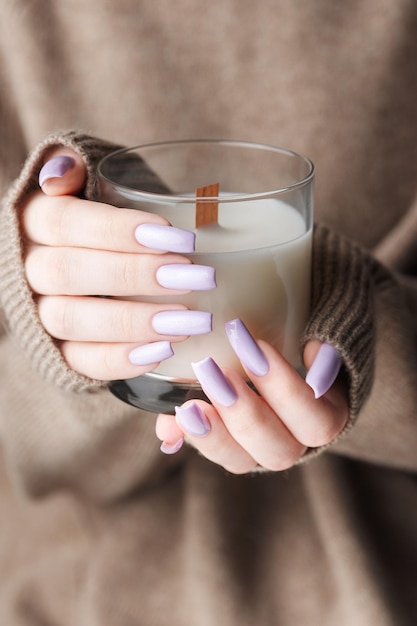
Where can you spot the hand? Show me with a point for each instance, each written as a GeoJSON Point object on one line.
{"type": "Point", "coordinates": [77, 250]}
{"type": "Point", "coordinates": [241, 429]}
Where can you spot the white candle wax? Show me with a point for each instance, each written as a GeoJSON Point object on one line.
{"type": "Point", "coordinates": [262, 254]}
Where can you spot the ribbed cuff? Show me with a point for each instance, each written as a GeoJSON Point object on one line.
{"type": "Point", "coordinates": [345, 278]}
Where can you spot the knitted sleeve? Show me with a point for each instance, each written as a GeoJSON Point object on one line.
{"type": "Point", "coordinates": [345, 277]}
{"type": "Point", "coordinates": [367, 313]}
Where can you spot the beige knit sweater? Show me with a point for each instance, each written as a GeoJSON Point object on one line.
{"type": "Point", "coordinates": [98, 528]}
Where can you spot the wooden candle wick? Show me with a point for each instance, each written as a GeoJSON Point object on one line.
{"type": "Point", "coordinates": [206, 212]}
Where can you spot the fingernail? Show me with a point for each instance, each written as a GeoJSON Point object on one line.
{"type": "Point", "coordinates": [192, 419]}
{"type": "Point", "coordinates": [172, 448]}
{"type": "Point", "coordinates": [151, 353]}
{"type": "Point", "coordinates": [324, 369]}
{"type": "Point", "coordinates": [182, 322]}
{"type": "Point", "coordinates": [186, 276]}
{"type": "Point", "coordinates": [168, 238]}
{"type": "Point", "coordinates": [214, 382]}
{"type": "Point", "coordinates": [55, 168]}
{"type": "Point", "coordinates": [246, 347]}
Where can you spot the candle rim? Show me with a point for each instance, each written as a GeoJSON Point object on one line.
{"type": "Point", "coordinates": [132, 193]}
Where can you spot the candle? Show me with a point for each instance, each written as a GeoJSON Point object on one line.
{"type": "Point", "coordinates": [261, 251]}
{"type": "Point", "coordinates": [260, 247]}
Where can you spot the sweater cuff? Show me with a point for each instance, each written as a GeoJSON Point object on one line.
{"type": "Point", "coordinates": [345, 281]}
{"type": "Point", "coordinates": [16, 297]}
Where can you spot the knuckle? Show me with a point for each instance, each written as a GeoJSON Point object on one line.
{"type": "Point", "coordinates": [110, 230]}
{"type": "Point", "coordinates": [109, 362]}
{"type": "Point", "coordinates": [31, 271]}
{"type": "Point", "coordinates": [49, 219]}
{"type": "Point", "coordinates": [54, 219]}
{"type": "Point", "coordinates": [125, 323]}
{"type": "Point", "coordinates": [323, 433]}
{"type": "Point", "coordinates": [283, 461]}
{"type": "Point", "coordinates": [86, 359]}
{"type": "Point", "coordinates": [126, 275]}
{"type": "Point", "coordinates": [283, 455]}
{"type": "Point", "coordinates": [249, 425]}
{"type": "Point", "coordinates": [57, 316]}
{"type": "Point", "coordinates": [46, 271]}
{"type": "Point", "coordinates": [240, 468]}
{"type": "Point", "coordinates": [60, 221]}
{"type": "Point", "coordinates": [59, 270]}
{"type": "Point", "coordinates": [101, 365]}
{"type": "Point", "coordinates": [106, 358]}
{"type": "Point", "coordinates": [75, 358]}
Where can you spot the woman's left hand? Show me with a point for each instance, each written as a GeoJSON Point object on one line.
{"type": "Point", "coordinates": [273, 428]}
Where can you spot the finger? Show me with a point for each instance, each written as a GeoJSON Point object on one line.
{"type": "Point", "coordinates": [70, 221]}
{"type": "Point", "coordinates": [78, 271]}
{"type": "Point", "coordinates": [119, 321]}
{"type": "Point", "coordinates": [248, 418]}
{"type": "Point", "coordinates": [107, 361]}
{"type": "Point", "coordinates": [323, 362]}
{"type": "Point", "coordinates": [201, 424]}
{"type": "Point", "coordinates": [63, 172]}
{"type": "Point", "coordinates": [168, 432]}
{"type": "Point", "coordinates": [313, 422]}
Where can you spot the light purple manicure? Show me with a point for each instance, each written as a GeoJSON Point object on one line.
{"type": "Point", "coordinates": [246, 347]}
{"type": "Point", "coordinates": [324, 370]}
{"type": "Point", "coordinates": [214, 382]}
{"type": "Point", "coordinates": [182, 322]}
{"type": "Point", "coordinates": [168, 238]}
{"type": "Point", "coordinates": [172, 448]}
{"type": "Point", "coordinates": [151, 353]}
{"type": "Point", "coordinates": [186, 276]}
{"type": "Point", "coordinates": [56, 168]}
{"type": "Point", "coordinates": [192, 419]}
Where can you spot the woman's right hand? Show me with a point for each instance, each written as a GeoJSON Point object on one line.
{"type": "Point", "coordinates": [77, 250]}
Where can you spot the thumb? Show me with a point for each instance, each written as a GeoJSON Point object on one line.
{"type": "Point", "coordinates": [63, 173]}
{"type": "Point", "coordinates": [323, 363]}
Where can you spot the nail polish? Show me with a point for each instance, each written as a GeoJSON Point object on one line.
{"type": "Point", "coordinates": [324, 369]}
{"type": "Point", "coordinates": [186, 276]}
{"type": "Point", "coordinates": [182, 322]}
{"type": "Point", "coordinates": [193, 420]}
{"type": "Point", "coordinates": [167, 238]}
{"type": "Point", "coordinates": [214, 382]}
{"type": "Point", "coordinates": [56, 168]}
{"type": "Point", "coordinates": [246, 347]}
{"type": "Point", "coordinates": [151, 353]}
{"type": "Point", "coordinates": [172, 448]}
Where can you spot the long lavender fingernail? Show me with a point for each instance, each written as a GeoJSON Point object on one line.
{"type": "Point", "coordinates": [168, 238]}
{"type": "Point", "coordinates": [214, 382]}
{"type": "Point", "coordinates": [182, 322]}
{"type": "Point", "coordinates": [56, 168]}
{"type": "Point", "coordinates": [172, 448]}
{"type": "Point", "coordinates": [186, 276]}
{"type": "Point", "coordinates": [246, 347]}
{"type": "Point", "coordinates": [151, 353]}
{"type": "Point", "coordinates": [192, 419]}
{"type": "Point", "coordinates": [324, 369]}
